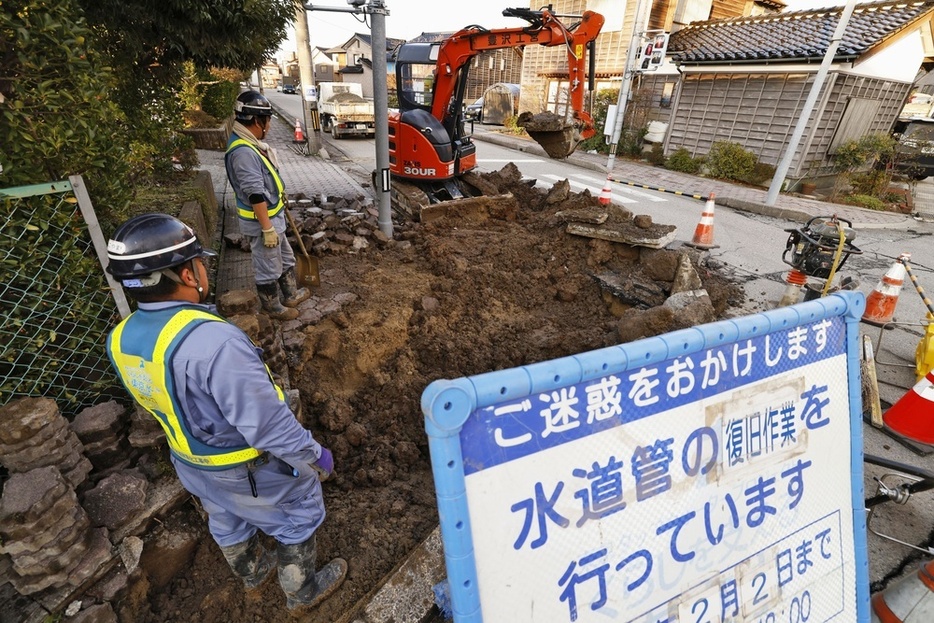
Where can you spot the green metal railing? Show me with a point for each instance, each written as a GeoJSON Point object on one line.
{"type": "Point", "coordinates": [58, 303]}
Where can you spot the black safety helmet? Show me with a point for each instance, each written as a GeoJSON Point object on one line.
{"type": "Point", "coordinates": [251, 104]}
{"type": "Point", "coordinates": [149, 243]}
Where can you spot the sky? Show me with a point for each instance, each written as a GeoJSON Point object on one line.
{"type": "Point", "coordinates": [409, 18]}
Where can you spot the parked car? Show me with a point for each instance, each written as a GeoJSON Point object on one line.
{"type": "Point", "coordinates": [288, 88]}
{"type": "Point", "coordinates": [915, 149]}
{"type": "Point", "coordinates": [474, 112]}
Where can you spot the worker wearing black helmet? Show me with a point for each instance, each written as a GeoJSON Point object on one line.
{"type": "Point", "coordinates": [252, 169]}
{"type": "Point", "coordinates": [233, 440]}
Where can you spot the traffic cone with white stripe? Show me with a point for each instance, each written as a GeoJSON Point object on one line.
{"type": "Point", "coordinates": [913, 415]}
{"type": "Point", "coordinates": [299, 134]}
{"type": "Point", "coordinates": [795, 280]}
{"type": "Point", "coordinates": [880, 304]}
{"type": "Point", "coordinates": [606, 195]}
{"type": "Point", "coordinates": [703, 233]}
{"type": "Point", "coordinates": [910, 600]}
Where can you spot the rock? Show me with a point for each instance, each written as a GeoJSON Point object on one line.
{"type": "Point", "coordinates": [115, 499]}
{"type": "Point", "coordinates": [130, 550]}
{"type": "Point", "coordinates": [686, 278]}
{"type": "Point", "coordinates": [642, 221]}
{"type": "Point", "coordinates": [98, 613]}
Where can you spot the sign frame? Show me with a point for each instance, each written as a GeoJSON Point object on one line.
{"type": "Point", "coordinates": [447, 405]}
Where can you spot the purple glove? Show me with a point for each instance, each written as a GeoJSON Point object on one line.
{"type": "Point", "coordinates": [324, 464]}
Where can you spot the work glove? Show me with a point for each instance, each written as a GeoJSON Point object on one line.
{"type": "Point", "coordinates": [324, 465]}
{"type": "Point", "coordinates": [270, 238]}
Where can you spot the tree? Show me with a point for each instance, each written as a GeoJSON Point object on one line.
{"type": "Point", "coordinates": [148, 42]}
{"type": "Point", "coordinates": [239, 34]}
{"type": "Point", "coordinates": [56, 114]}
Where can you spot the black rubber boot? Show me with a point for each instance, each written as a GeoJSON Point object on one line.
{"type": "Point", "coordinates": [251, 561]}
{"type": "Point", "coordinates": [269, 300]}
{"type": "Point", "coordinates": [304, 588]}
{"type": "Point", "coordinates": [292, 295]}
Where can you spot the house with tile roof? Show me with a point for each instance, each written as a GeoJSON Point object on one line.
{"type": "Point", "coordinates": [745, 80]}
{"type": "Point", "coordinates": [355, 60]}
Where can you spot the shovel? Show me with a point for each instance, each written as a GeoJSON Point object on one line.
{"type": "Point", "coordinates": [306, 266]}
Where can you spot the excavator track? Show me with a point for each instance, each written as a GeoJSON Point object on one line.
{"type": "Point", "coordinates": [418, 203]}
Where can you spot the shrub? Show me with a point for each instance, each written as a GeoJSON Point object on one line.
{"type": "Point", "coordinates": [657, 155]}
{"type": "Point", "coordinates": [682, 160]}
{"type": "Point", "coordinates": [866, 152]}
{"type": "Point", "coordinates": [510, 124]}
{"type": "Point", "coordinates": [760, 174]}
{"type": "Point", "coordinates": [730, 161]}
{"type": "Point", "coordinates": [865, 201]}
{"type": "Point", "coordinates": [218, 100]}
{"type": "Point", "coordinates": [874, 182]}
{"type": "Point", "coordinates": [59, 117]}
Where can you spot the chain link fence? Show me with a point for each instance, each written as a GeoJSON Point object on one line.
{"type": "Point", "coordinates": [58, 303]}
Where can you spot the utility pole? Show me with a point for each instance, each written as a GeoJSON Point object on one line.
{"type": "Point", "coordinates": [377, 11]}
{"type": "Point", "coordinates": [782, 169]}
{"type": "Point", "coordinates": [306, 76]}
{"type": "Point", "coordinates": [626, 87]}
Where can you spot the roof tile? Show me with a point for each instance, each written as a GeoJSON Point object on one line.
{"type": "Point", "coordinates": [795, 36]}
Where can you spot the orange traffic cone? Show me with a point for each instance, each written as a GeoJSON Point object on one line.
{"type": "Point", "coordinates": [796, 280]}
{"type": "Point", "coordinates": [299, 135]}
{"type": "Point", "coordinates": [703, 233]}
{"type": "Point", "coordinates": [606, 195]}
{"type": "Point", "coordinates": [910, 600]}
{"type": "Point", "coordinates": [913, 415]}
{"type": "Point", "coordinates": [880, 304]}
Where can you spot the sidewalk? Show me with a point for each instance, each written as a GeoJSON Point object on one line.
{"type": "Point", "coordinates": [727, 194]}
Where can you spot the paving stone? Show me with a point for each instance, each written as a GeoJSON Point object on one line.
{"type": "Point", "coordinates": [30, 416]}
{"type": "Point", "coordinates": [115, 499]}
{"type": "Point", "coordinates": [101, 422]}
{"type": "Point", "coordinates": [27, 496]}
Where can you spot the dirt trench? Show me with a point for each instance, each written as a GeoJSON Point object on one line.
{"type": "Point", "coordinates": [460, 295]}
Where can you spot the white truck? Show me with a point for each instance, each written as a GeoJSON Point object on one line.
{"type": "Point", "coordinates": [344, 111]}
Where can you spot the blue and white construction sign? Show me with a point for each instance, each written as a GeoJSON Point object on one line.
{"type": "Point", "coordinates": [707, 475]}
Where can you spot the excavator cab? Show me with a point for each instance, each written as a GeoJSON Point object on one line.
{"type": "Point", "coordinates": [425, 146]}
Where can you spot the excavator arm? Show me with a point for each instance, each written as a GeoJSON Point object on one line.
{"type": "Point", "coordinates": [430, 152]}
{"type": "Point", "coordinates": [545, 29]}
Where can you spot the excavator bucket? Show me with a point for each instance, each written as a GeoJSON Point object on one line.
{"type": "Point", "coordinates": [557, 137]}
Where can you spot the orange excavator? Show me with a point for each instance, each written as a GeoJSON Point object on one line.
{"type": "Point", "coordinates": [429, 149]}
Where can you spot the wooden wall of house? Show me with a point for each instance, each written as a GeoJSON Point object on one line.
{"type": "Point", "coordinates": [541, 64]}
{"type": "Point", "coordinates": [890, 96]}
{"type": "Point", "coordinates": [722, 9]}
{"type": "Point", "coordinates": [756, 110]}
{"type": "Point", "coordinates": [657, 92]}
{"type": "Point", "coordinates": [491, 67]}
{"type": "Point", "coordinates": [759, 111]}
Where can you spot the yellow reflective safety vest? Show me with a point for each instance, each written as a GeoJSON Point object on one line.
{"type": "Point", "coordinates": [141, 349]}
{"type": "Point", "coordinates": [246, 211]}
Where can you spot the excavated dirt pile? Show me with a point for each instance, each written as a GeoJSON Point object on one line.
{"type": "Point", "coordinates": [460, 295]}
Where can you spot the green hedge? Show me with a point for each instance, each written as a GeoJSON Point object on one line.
{"type": "Point", "coordinates": [218, 100]}
{"type": "Point", "coordinates": [59, 117]}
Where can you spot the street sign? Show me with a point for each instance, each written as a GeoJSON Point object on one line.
{"type": "Point", "coordinates": [709, 474]}
{"type": "Point", "coordinates": [652, 52]}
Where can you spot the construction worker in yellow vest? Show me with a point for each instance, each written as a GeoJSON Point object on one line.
{"type": "Point", "coordinates": [234, 442]}
{"type": "Point", "coordinates": [252, 170]}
